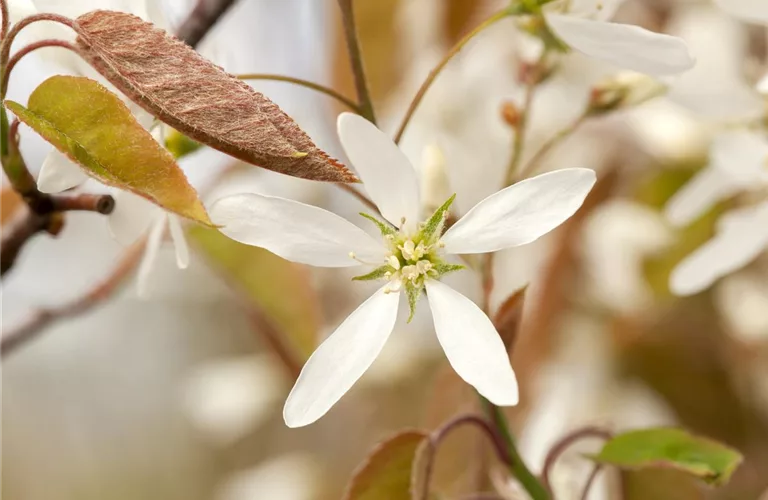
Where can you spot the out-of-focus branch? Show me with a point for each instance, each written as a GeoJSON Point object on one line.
{"type": "Point", "coordinates": [365, 103]}
{"type": "Point", "coordinates": [559, 448]}
{"type": "Point", "coordinates": [202, 18]}
{"type": "Point", "coordinates": [38, 321]}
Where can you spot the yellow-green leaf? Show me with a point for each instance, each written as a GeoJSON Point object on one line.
{"type": "Point", "coordinates": [704, 458]}
{"type": "Point", "coordinates": [281, 290]}
{"type": "Point", "coordinates": [94, 128]}
{"type": "Point", "coordinates": [386, 473]}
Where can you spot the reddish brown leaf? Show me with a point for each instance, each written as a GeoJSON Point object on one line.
{"type": "Point", "coordinates": [191, 94]}
{"type": "Point", "coordinates": [509, 316]}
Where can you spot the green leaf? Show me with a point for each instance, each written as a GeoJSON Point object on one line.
{"type": "Point", "coordinates": [385, 228]}
{"type": "Point", "coordinates": [433, 228]}
{"type": "Point", "coordinates": [443, 268]}
{"type": "Point", "coordinates": [704, 458]}
{"type": "Point", "coordinates": [282, 291]}
{"type": "Point", "coordinates": [376, 274]}
{"type": "Point", "coordinates": [180, 145]}
{"type": "Point", "coordinates": [413, 292]}
{"type": "Point", "coordinates": [94, 128]}
{"type": "Point", "coordinates": [386, 473]}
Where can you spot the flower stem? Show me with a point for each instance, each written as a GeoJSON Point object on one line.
{"type": "Point", "coordinates": [532, 81]}
{"type": "Point", "coordinates": [551, 143]}
{"type": "Point", "coordinates": [365, 104]}
{"type": "Point", "coordinates": [14, 60]}
{"type": "Point", "coordinates": [6, 18]}
{"type": "Point", "coordinates": [437, 69]}
{"type": "Point", "coordinates": [557, 450]}
{"type": "Point", "coordinates": [517, 467]}
{"type": "Point", "coordinates": [304, 83]}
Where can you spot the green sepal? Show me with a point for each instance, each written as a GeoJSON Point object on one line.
{"type": "Point", "coordinates": [385, 228]}
{"type": "Point", "coordinates": [443, 268]}
{"type": "Point", "coordinates": [433, 228]}
{"type": "Point", "coordinates": [376, 274]}
{"type": "Point", "coordinates": [413, 292]}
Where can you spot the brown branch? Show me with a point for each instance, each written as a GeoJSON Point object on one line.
{"type": "Point", "coordinates": [31, 48]}
{"type": "Point", "coordinates": [365, 103]}
{"type": "Point", "coordinates": [6, 19]}
{"type": "Point", "coordinates": [200, 21]}
{"type": "Point", "coordinates": [100, 203]}
{"type": "Point", "coordinates": [559, 448]}
{"type": "Point", "coordinates": [36, 324]}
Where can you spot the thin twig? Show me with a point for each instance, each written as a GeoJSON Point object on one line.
{"type": "Point", "coordinates": [559, 448]}
{"type": "Point", "coordinates": [550, 144]}
{"type": "Point", "coordinates": [590, 481]}
{"type": "Point", "coordinates": [36, 324]}
{"type": "Point", "coordinates": [437, 69]}
{"type": "Point", "coordinates": [305, 83]}
{"type": "Point", "coordinates": [532, 78]}
{"type": "Point", "coordinates": [6, 19]}
{"type": "Point", "coordinates": [50, 42]}
{"type": "Point", "coordinates": [365, 103]}
{"type": "Point", "coordinates": [439, 435]}
{"type": "Point", "coordinates": [200, 21]}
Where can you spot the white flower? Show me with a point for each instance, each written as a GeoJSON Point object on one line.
{"type": "Point", "coordinates": [132, 218]}
{"type": "Point", "coordinates": [514, 216]}
{"type": "Point", "coordinates": [585, 28]}
{"type": "Point", "coordinates": [18, 9]}
{"type": "Point", "coordinates": [755, 11]}
{"type": "Point", "coordinates": [737, 164]}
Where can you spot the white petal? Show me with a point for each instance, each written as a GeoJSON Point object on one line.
{"type": "Point", "coordinates": [624, 45]}
{"type": "Point", "coordinates": [295, 231]}
{"type": "Point", "coordinates": [706, 188]}
{"type": "Point", "coordinates": [742, 236]}
{"type": "Point", "coordinates": [19, 9]}
{"type": "Point", "coordinates": [388, 176]}
{"type": "Point", "coordinates": [131, 217]}
{"type": "Point", "coordinates": [179, 241]}
{"type": "Point", "coordinates": [742, 155]}
{"type": "Point", "coordinates": [472, 344]}
{"type": "Point", "coordinates": [762, 85]}
{"type": "Point", "coordinates": [599, 10]}
{"type": "Point", "coordinates": [341, 359]}
{"type": "Point", "coordinates": [747, 10]}
{"type": "Point", "coordinates": [520, 213]}
{"type": "Point", "coordinates": [59, 173]}
{"type": "Point", "coordinates": [154, 241]}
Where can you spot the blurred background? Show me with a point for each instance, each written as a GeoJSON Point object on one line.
{"type": "Point", "coordinates": [179, 396]}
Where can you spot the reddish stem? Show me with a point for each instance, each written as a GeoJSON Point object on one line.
{"type": "Point", "coordinates": [51, 42]}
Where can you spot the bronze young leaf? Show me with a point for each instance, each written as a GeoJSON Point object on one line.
{"type": "Point", "coordinates": [94, 128]}
{"type": "Point", "coordinates": [191, 94]}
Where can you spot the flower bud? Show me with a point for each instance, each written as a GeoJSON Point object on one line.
{"type": "Point", "coordinates": [624, 90]}
{"type": "Point", "coordinates": [510, 114]}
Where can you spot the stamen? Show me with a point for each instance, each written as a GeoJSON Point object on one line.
{"type": "Point", "coordinates": [354, 257]}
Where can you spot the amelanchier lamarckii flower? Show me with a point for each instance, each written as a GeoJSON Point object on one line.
{"type": "Point", "coordinates": [737, 165]}
{"type": "Point", "coordinates": [410, 256]}
{"type": "Point", "coordinates": [583, 25]}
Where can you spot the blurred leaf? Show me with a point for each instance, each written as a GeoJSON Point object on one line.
{"type": "Point", "coordinates": [180, 145]}
{"type": "Point", "coordinates": [660, 484]}
{"type": "Point", "coordinates": [280, 289]}
{"type": "Point", "coordinates": [509, 317]}
{"type": "Point", "coordinates": [10, 201]}
{"type": "Point", "coordinates": [199, 99]}
{"type": "Point", "coordinates": [94, 128]}
{"type": "Point", "coordinates": [674, 448]}
{"type": "Point", "coordinates": [386, 473]}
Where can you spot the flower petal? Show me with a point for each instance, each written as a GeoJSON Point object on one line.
{"type": "Point", "coordinates": [131, 217]}
{"type": "Point", "coordinates": [755, 11]}
{"type": "Point", "coordinates": [388, 176]}
{"type": "Point", "coordinates": [599, 10]}
{"type": "Point", "coordinates": [624, 45]}
{"type": "Point", "coordinates": [762, 85]}
{"type": "Point", "coordinates": [742, 155]}
{"type": "Point", "coordinates": [19, 9]}
{"type": "Point", "coordinates": [295, 231]}
{"type": "Point", "coordinates": [341, 359]}
{"type": "Point", "coordinates": [742, 236]}
{"type": "Point", "coordinates": [472, 344]}
{"type": "Point", "coordinates": [520, 213]}
{"type": "Point", "coordinates": [154, 241]}
{"type": "Point", "coordinates": [706, 188]}
{"type": "Point", "coordinates": [179, 241]}
{"type": "Point", "coordinates": [59, 173]}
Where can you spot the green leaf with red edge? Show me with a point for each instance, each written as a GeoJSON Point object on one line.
{"type": "Point", "coordinates": [703, 458]}
{"type": "Point", "coordinates": [177, 85]}
{"type": "Point", "coordinates": [281, 290]}
{"type": "Point", "coordinates": [386, 473]}
{"type": "Point", "coordinates": [95, 129]}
